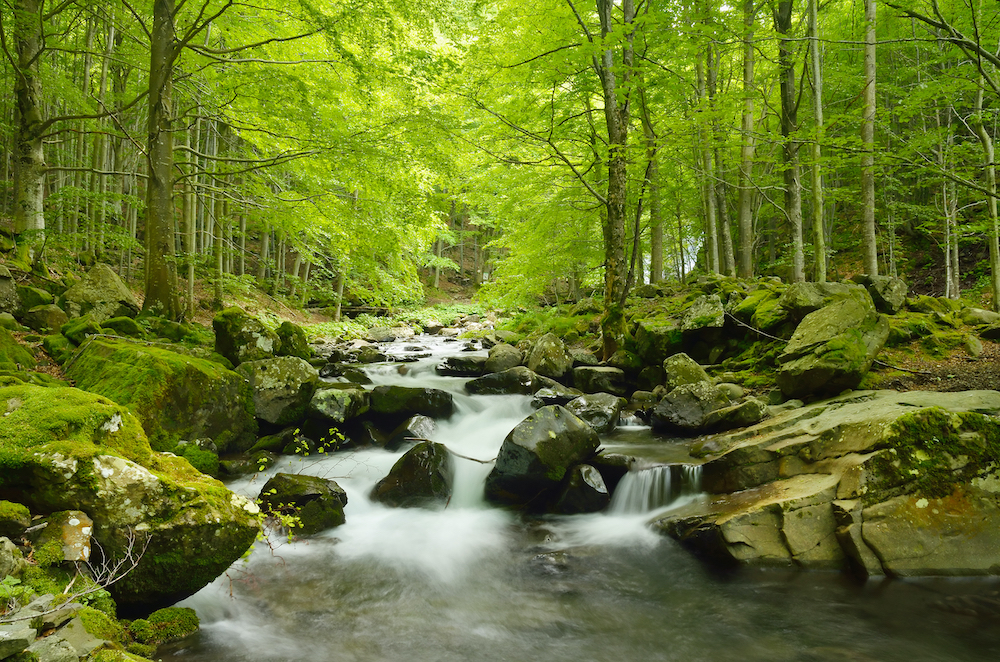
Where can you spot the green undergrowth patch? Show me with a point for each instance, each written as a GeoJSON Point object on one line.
{"type": "Point", "coordinates": [571, 322]}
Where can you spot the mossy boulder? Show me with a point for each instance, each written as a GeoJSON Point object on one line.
{"type": "Point", "coordinates": [123, 326]}
{"type": "Point", "coordinates": [80, 328]}
{"type": "Point", "coordinates": [165, 625]}
{"type": "Point", "coordinates": [548, 357]}
{"type": "Point", "coordinates": [292, 341]}
{"type": "Point", "coordinates": [101, 294]}
{"type": "Point", "coordinates": [422, 477]}
{"type": "Point", "coordinates": [891, 483]}
{"type": "Point", "coordinates": [282, 387]}
{"type": "Point", "coordinates": [536, 456]}
{"type": "Point", "coordinates": [517, 380]}
{"type": "Point", "coordinates": [44, 318]}
{"type": "Point", "coordinates": [14, 519]}
{"type": "Point", "coordinates": [601, 379]}
{"type": "Point", "coordinates": [462, 366]}
{"type": "Point", "coordinates": [888, 292]}
{"type": "Point", "coordinates": [681, 369]}
{"type": "Point", "coordinates": [240, 337]}
{"type": "Point", "coordinates": [687, 408]}
{"type": "Point", "coordinates": [317, 503]}
{"type": "Point", "coordinates": [832, 349]}
{"type": "Point", "coordinates": [9, 301]}
{"type": "Point", "coordinates": [338, 405]}
{"type": "Point", "coordinates": [14, 355]}
{"type": "Point", "coordinates": [58, 347]}
{"type": "Point", "coordinates": [600, 410]}
{"type": "Point", "coordinates": [176, 396]}
{"type": "Point", "coordinates": [401, 401]}
{"type": "Point", "coordinates": [657, 338]}
{"type": "Point", "coordinates": [33, 296]}
{"type": "Point", "coordinates": [705, 312]}
{"type": "Point", "coordinates": [67, 449]}
{"type": "Point", "coordinates": [503, 357]}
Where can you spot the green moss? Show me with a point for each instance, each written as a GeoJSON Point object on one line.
{"type": "Point", "coordinates": [13, 355]}
{"type": "Point", "coordinates": [206, 462]}
{"type": "Point", "coordinates": [49, 554]}
{"type": "Point", "coordinates": [23, 656]}
{"type": "Point", "coordinates": [78, 329]}
{"type": "Point", "coordinates": [58, 347]}
{"type": "Point", "coordinates": [68, 421]}
{"type": "Point", "coordinates": [103, 626]}
{"type": "Point", "coordinates": [932, 451]}
{"type": "Point", "coordinates": [110, 655]}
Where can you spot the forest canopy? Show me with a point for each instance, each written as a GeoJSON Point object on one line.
{"type": "Point", "coordinates": [342, 150]}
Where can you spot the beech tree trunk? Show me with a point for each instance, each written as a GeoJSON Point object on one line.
{"type": "Point", "coordinates": [789, 127]}
{"type": "Point", "coordinates": [29, 164]}
{"type": "Point", "coordinates": [745, 218]}
{"type": "Point", "coordinates": [868, 144]}
{"type": "Point", "coordinates": [819, 232]}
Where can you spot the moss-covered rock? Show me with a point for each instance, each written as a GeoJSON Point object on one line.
{"type": "Point", "coordinates": [165, 625]}
{"type": "Point", "coordinates": [77, 330]}
{"type": "Point", "coordinates": [58, 347]}
{"type": "Point", "coordinates": [316, 503]}
{"type": "Point", "coordinates": [66, 449]}
{"type": "Point", "coordinates": [292, 341]}
{"type": "Point", "coordinates": [339, 405]}
{"type": "Point", "coordinates": [9, 301]}
{"type": "Point", "coordinates": [176, 396]}
{"type": "Point", "coordinates": [282, 387]}
{"type": "Point", "coordinates": [14, 355]}
{"type": "Point", "coordinates": [33, 296]}
{"type": "Point", "coordinates": [123, 326]}
{"type": "Point", "coordinates": [14, 519]}
{"type": "Point", "coordinates": [240, 337]}
{"type": "Point", "coordinates": [101, 294]}
{"type": "Point", "coordinates": [549, 358]}
{"type": "Point", "coordinates": [400, 401]}
{"type": "Point", "coordinates": [536, 455]}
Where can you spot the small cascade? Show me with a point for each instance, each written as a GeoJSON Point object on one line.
{"type": "Point", "coordinates": [630, 419]}
{"type": "Point", "coordinates": [649, 489]}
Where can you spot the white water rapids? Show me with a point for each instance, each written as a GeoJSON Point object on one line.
{"type": "Point", "coordinates": [472, 582]}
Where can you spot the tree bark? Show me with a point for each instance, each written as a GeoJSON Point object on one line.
{"type": "Point", "coordinates": [819, 233]}
{"type": "Point", "coordinates": [789, 127]}
{"type": "Point", "coordinates": [161, 269]}
{"type": "Point", "coordinates": [29, 164]}
{"type": "Point", "coordinates": [989, 155]}
{"type": "Point", "coordinates": [745, 218]}
{"type": "Point", "coordinates": [868, 145]}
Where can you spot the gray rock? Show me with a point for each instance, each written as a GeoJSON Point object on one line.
{"type": "Point", "coordinates": [48, 317]}
{"type": "Point", "coordinates": [517, 380]}
{"type": "Point", "coordinates": [9, 301]}
{"type": "Point", "coordinates": [339, 405]}
{"type": "Point", "coordinates": [686, 408]}
{"type": "Point", "coordinates": [682, 369]}
{"type": "Point", "coordinates": [600, 379]}
{"type": "Point", "coordinates": [549, 358]}
{"type": "Point", "coordinates": [101, 294]}
{"type": "Point", "coordinates": [584, 492]}
{"type": "Point", "coordinates": [15, 637]}
{"type": "Point", "coordinates": [739, 415]}
{"type": "Point", "coordinates": [292, 341]}
{"type": "Point", "coordinates": [240, 337]}
{"type": "Point", "coordinates": [407, 400]}
{"type": "Point", "coordinates": [832, 349]}
{"type": "Point", "coordinates": [888, 293]}
{"type": "Point", "coordinates": [83, 642]}
{"type": "Point", "coordinates": [462, 366]}
{"type": "Point", "coordinates": [555, 395]}
{"type": "Point", "coordinates": [503, 357]}
{"type": "Point", "coordinates": [11, 560]}
{"type": "Point", "coordinates": [706, 312]}
{"type": "Point", "coordinates": [599, 410]}
{"type": "Point", "coordinates": [380, 334]}
{"type": "Point", "coordinates": [978, 316]}
{"type": "Point", "coordinates": [416, 428]}
{"type": "Point", "coordinates": [54, 648]}
{"type": "Point", "coordinates": [421, 478]}
{"type": "Point", "coordinates": [536, 455]}
{"type": "Point", "coordinates": [282, 387]}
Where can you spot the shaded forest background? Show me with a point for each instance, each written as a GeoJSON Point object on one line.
{"type": "Point", "coordinates": [375, 152]}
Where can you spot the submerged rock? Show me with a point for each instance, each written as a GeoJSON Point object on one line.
{"type": "Point", "coordinates": [536, 456]}
{"type": "Point", "coordinates": [584, 492]}
{"type": "Point", "coordinates": [409, 400]}
{"type": "Point", "coordinates": [421, 478]}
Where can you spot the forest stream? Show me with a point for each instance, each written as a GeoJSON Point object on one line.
{"type": "Point", "coordinates": [473, 582]}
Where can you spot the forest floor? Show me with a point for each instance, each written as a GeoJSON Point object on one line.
{"type": "Point", "coordinates": [956, 372]}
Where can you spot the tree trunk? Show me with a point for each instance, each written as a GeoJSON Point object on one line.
{"type": "Point", "coordinates": [819, 233]}
{"type": "Point", "coordinates": [161, 271]}
{"type": "Point", "coordinates": [989, 155]}
{"type": "Point", "coordinates": [745, 219]}
{"type": "Point", "coordinates": [708, 176]}
{"type": "Point", "coordinates": [29, 164]}
{"type": "Point", "coordinates": [868, 144]}
{"type": "Point", "coordinates": [789, 126]}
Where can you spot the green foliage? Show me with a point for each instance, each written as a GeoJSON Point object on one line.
{"type": "Point", "coordinates": [164, 625]}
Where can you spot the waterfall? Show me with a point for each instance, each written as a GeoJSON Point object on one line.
{"type": "Point", "coordinates": [649, 489]}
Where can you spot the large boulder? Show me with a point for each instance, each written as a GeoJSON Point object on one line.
{"type": "Point", "coordinates": [889, 483]}
{"type": "Point", "coordinates": [600, 410]}
{"type": "Point", "coordinates": [339, 405]}
{"type": "Point", "coordinates": [536, 455]}
{"type": "Point", "coordinates": [518, 380]}
{"type": "Point", "coordinates": [503, 357]}
{"type": "Point", "coordinates": [687, 408]}
{"type": "Point", "coordinates": [282, 387]}
{"type": "Point", "coordinates": [888, 292]}
{"type": "Point", "coordinates": [462, 366]}
{"type": "Point", "coordinates": [832, 349]}
{"type": "Point", "coordinates": [657, 338]}
{"type": "Point", "coordinates": [292, 341]}
{"type": "Point", "coordinates": [44, 318]}
{"type": "Point", "coordinates": [548, 357]}
{"type": "Point", "coordinates": [176, 396]}
{"type": "Point", "coordinates": [681, 369]}
{"type": "Point", "coordinates": [399, 401]}
{"type": "Point", "coordinates": [101, 295]}
{"type": "Point", "coordinates": [315, 503]}
{"type": "Point", "coordinates": [66, 449]}
{"type": "Point", "coordinates": [600, 379]}
{"type": "Point", "coordinates": [705, 312]}
{"type": "Point", "coordinates": [584, 492]}
{"type": "Point", "coordinates": [421, 478]}
{"type": "Point", "coordinates": [240, 337]}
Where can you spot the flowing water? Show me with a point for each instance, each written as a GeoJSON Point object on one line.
{"type": "Point", "coordinates": [472, 582]}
